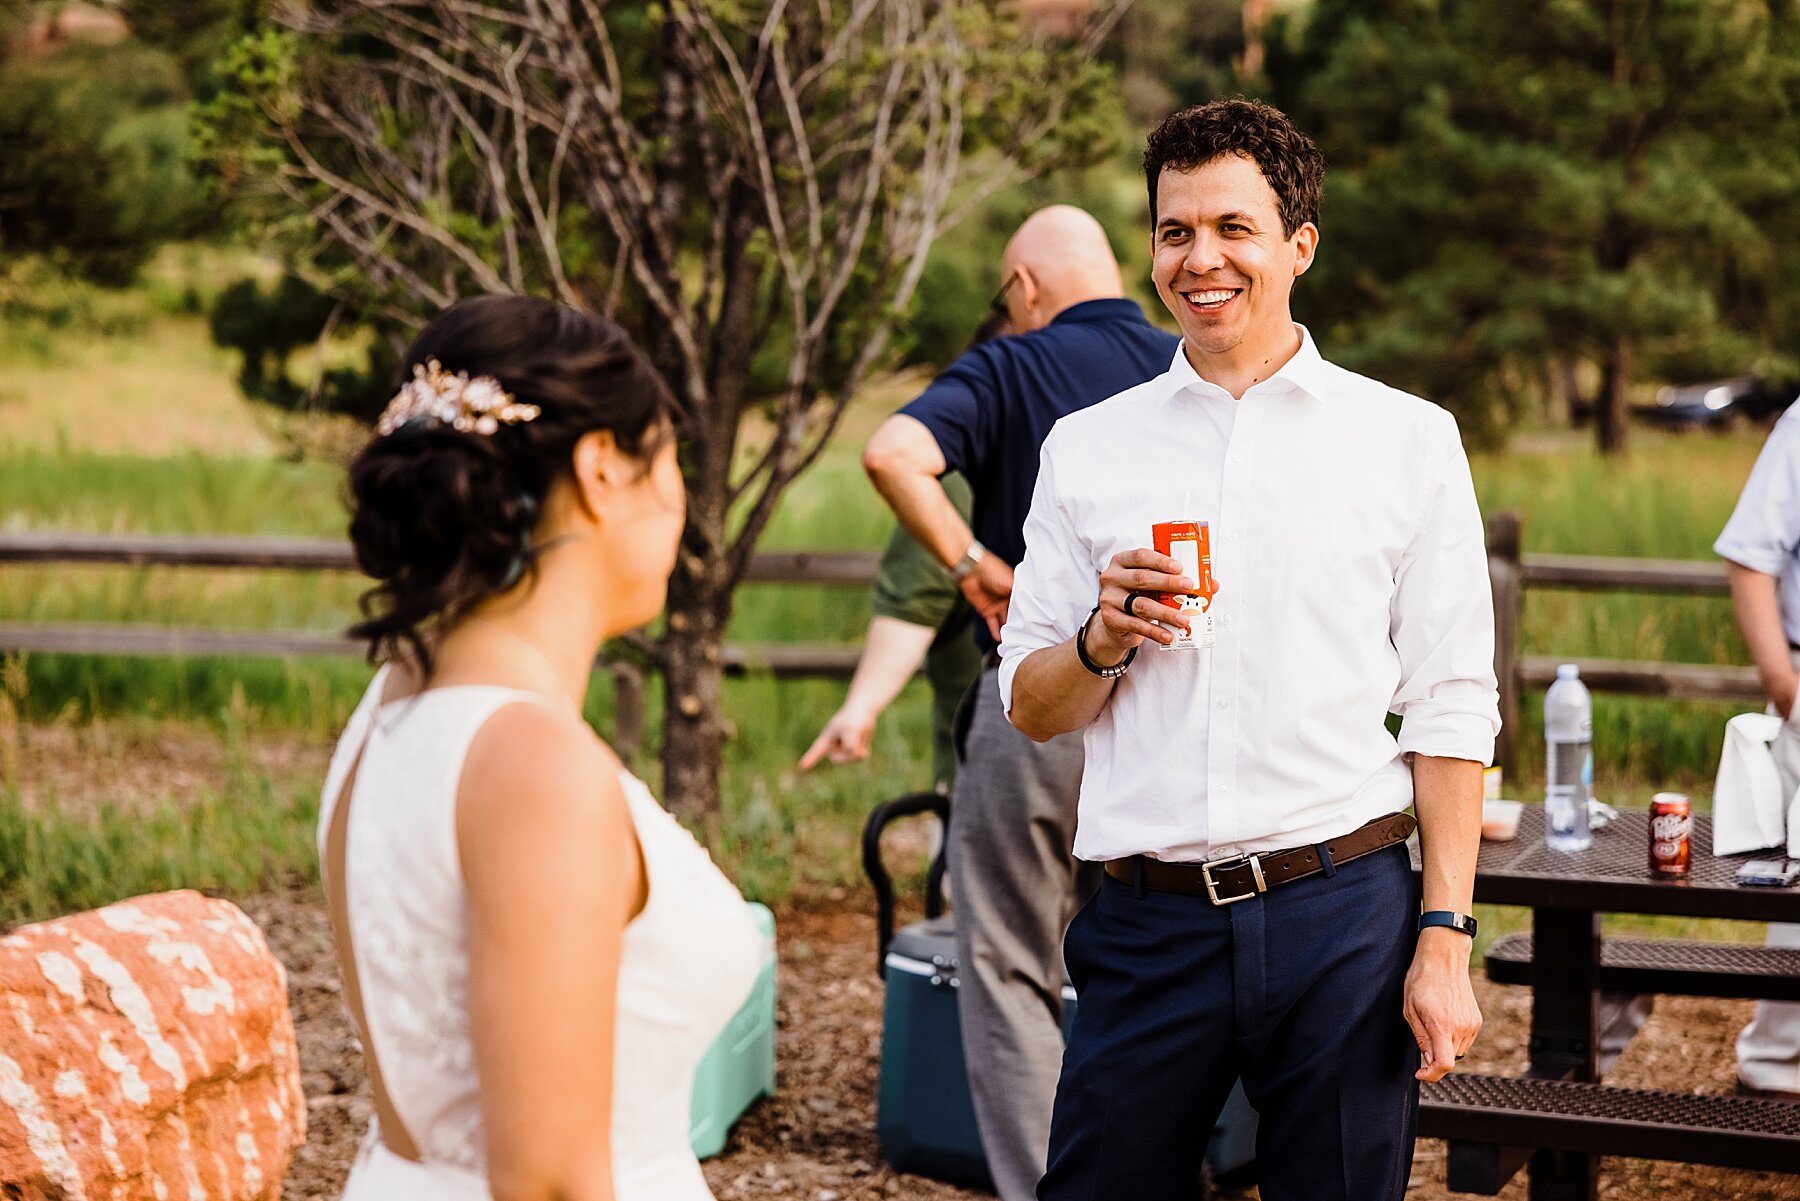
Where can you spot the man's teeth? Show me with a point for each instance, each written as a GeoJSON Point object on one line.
{"type": "Point", "coordinates": [1218, 297]}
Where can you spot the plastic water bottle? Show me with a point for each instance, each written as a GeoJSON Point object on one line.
{"type": "Point", "coordinates": [1569, 775]}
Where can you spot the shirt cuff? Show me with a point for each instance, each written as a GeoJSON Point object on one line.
{"type": "Point", "coordinates": [1009, 667]}
{"type": "Point", "coordinates": [1767, 559]}
{"type": "Point", "coordinates": [1444, 730]}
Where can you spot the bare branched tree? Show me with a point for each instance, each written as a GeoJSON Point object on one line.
{"type": "Point", "coordinates": [751, 186]}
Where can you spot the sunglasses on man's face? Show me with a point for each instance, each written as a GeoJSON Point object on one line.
{"type": "Point", "coordinates": [997, 306]}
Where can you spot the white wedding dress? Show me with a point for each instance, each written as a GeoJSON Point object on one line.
{"type": "Point", "coordinates": [688, 963]}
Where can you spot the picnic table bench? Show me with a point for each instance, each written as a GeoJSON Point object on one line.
{"type": "Point", "coordinates": [1557, 1119]}
{"type": "Point", "coordinates": [1668, 966]}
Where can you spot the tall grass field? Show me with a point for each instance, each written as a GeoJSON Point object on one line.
{"type": "Point", "coordinates": [85, 448]}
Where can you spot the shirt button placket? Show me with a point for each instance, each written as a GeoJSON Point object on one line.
{"type": "Point", "coordinates": [1228, 555]}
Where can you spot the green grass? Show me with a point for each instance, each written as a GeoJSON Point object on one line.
{"type": "Point", "coordinates": [69, 489]}
{"type": "Point", "coordinates": [52, 863]}
{"type": "Point", "coordinates": [1669, 499]}
{"type": "Point", "coordinates": [251, 833]}
{"type": "Point", "coordinates": [780, 830]}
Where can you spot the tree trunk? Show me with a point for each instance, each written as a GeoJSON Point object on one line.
{"type": "Point", "coordinates": [700, 591]}
{"type": "Point", "coordinates": [1562, 391]}
{"type": "Point", "coordinates": [1256, 19]}
{"type": "Point", "coordinates": [1613, 406]}
{"type": "Point", "coordinates": [693, 694]}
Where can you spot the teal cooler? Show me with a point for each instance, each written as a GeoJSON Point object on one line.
{"type": "Point", "coordinates": [925, 1119]}
{"type": "Point", "coordinates": [739, 1067]}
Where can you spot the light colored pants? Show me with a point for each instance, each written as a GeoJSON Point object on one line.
{"type": "Point", "coordinates": [1768, 1050]}
{"type": "Point", "coordinates": [1017, 884]}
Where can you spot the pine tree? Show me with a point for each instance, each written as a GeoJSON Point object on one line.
{"type": "Point", "coordinates": [1514, 187]}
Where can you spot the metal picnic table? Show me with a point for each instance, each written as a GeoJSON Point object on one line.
{"type": "Point", "coordinates": [1558, 1118]}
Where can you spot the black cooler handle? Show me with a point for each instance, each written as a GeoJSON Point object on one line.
{"type": "Point", "coordinates": [910, 805]}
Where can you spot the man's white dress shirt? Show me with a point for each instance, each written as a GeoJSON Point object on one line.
{"type": "Point", "coordinates": [1352, 573]}
{"type": "Point", "coordinates": [1764, 531]}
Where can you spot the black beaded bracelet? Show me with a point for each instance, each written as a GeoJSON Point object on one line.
{"type": "Point", "coordinates": [1087, 660]}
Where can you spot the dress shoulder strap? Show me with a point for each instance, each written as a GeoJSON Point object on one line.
{"type": "Point", "coordinates": [393, 1131]}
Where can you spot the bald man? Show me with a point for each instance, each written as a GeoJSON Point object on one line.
{"type": "Point", "coordinates": [1012, 869]}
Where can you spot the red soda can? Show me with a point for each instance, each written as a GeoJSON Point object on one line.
{"type": "Point", "coordinates": [1671, 830]}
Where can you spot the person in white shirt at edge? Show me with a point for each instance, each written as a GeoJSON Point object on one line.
{"type": "Point", "coordinates": [1761, 549]}
{"type": "Point", "coordinates": [1351, 583]}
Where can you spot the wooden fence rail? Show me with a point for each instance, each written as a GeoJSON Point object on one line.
{"type": "Point", "coordinates": [786, 661]}
{"type": "Point", "coordinates": [1511, 573]}
{"type": "Point", "coordinates": [855, 568]}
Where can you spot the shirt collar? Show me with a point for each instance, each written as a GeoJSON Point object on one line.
{"type": "Point", "coordinates": [1112, 308]}
{"type": "Point", "coordinates": [1306, 372]}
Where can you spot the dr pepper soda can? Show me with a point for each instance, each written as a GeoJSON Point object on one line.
{"type": "Point", "coordinates": [1671, 834]}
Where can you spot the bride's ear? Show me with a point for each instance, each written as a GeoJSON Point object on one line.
{"type": "Point", "coordinates": [599, 469]}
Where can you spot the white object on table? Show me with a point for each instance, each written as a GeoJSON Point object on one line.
{"type": "Point", "coordinates": [1500, 819]}
{"type": "Point", "coordinates": [1749, 810]}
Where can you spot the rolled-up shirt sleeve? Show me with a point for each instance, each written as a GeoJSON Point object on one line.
{"type": "Point", "coordinates": [963, 410]}
{"type": "Point", "coordinates": [1443, 619]}
{"type": "Point", "coordinates": [1055, 584]}
{"type": "Point", "coordinates": [1765, 526]}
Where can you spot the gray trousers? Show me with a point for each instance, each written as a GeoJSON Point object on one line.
{"type": "Point", "coordinates": [1768, 1050]}
{"type": "Point", "coordinates": [1016, 885]}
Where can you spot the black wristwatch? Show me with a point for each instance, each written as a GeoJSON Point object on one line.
{"type": "Point", "coordinates": [1087, 660]}
{"type": "Point", "coordinates": [1447, 917]}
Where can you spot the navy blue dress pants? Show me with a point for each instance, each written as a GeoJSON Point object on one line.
{"type": "Point", "coordinates": [1297, 991]}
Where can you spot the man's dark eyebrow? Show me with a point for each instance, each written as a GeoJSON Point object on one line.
{"type": "Point", "coordinates": [1221, 219]}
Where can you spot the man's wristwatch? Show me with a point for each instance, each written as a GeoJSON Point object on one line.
{"type": "Point", "coordinates": [1447, 917]}
{"type": "Point", "coordinates": [970, 558]}
{"type": "Point", "coordinates": [1105, 672]}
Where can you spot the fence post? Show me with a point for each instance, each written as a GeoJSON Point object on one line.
{"type": "Point", "coordinates": [1506, 576]}
{"type": "Point", "coordinates": [628, 709]}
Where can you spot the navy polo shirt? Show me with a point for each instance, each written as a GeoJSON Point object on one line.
{"type": "Point", "coordinates": [992, 408]}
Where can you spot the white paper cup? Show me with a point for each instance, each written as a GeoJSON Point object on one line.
{"type": "Point", "coordinates": [1500, 819]}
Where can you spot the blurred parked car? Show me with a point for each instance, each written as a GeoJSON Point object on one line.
{"type": "Point", "coordinates": [1718, 403]}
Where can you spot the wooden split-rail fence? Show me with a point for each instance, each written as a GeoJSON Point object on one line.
{"type": "Point", "coordinates": [1510, 571]}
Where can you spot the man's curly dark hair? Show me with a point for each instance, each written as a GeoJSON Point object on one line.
{"type": "Point", "coordinates": [1287, 158]}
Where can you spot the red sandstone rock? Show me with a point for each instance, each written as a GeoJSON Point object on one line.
{"type": "Point", "coordinates": [146, 1054]}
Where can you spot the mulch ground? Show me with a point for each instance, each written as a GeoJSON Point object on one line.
{"type": "Point", "coordinates": [815, 1141]}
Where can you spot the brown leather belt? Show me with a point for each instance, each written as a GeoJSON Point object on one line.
{"type": "Point", "coordinates": [1237, 878]}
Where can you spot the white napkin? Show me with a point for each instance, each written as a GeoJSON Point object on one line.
{"type": "Point", "coordinates": [1748, 806]}
{"type": "Point", "coordinates": [1793, 819]}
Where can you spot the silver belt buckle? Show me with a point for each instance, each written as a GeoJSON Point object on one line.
{"type": "Point", "coordinates": [1212, 885]}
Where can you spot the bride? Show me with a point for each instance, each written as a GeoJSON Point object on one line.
{"type": "Point", "coordinates": [536, 954]}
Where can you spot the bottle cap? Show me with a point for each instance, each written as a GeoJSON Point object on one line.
{"type": "Point", "coordinates": [1568, 671]}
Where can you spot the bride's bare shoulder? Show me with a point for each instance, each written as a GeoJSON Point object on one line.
{"type": "Point", "coordinates": [541, 762]}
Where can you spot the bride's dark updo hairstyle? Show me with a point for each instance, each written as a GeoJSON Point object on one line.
{"type": "Point", "coordinates": [441, 519]}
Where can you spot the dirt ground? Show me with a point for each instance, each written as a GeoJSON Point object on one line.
{"type": "Point", "coordinates": [79, 766]}
{"type": "Point", "coordinates": [815, 1141]}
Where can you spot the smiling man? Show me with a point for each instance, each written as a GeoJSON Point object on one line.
{"type": "Point", "coordinates": [1258, 917]}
